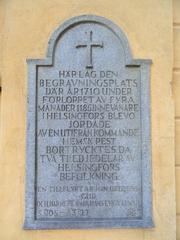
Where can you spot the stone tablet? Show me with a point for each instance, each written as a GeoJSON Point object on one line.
{"type": "Point", "coordinates": [88, 132]}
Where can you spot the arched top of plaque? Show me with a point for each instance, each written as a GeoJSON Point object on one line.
{"type": "Point", "coordinates": [90, 41]}
{"type": "Point", "coordinates": [92, 19]}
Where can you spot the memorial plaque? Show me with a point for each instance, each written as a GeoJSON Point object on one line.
{"type": "Point", "coordinates": [88, 132]}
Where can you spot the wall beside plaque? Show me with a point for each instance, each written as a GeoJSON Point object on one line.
{"type": "Point", "coordinates": [88, 134]}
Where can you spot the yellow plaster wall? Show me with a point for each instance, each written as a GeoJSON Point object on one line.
{"type": "Point", "coordinates": [176, 93]}
{"type": "Point", "coordinates": [27, 27]}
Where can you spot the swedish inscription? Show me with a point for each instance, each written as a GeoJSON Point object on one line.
{"type": "Point", "coordinates": [88, 141]}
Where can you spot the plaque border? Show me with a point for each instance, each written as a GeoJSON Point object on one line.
{"type": "Point", "coordinates": [144, 65]}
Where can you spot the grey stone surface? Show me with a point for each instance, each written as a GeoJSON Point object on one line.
{"type": "Point", "coordinates": [88, 132]}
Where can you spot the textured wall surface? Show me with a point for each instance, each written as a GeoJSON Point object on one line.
{"type": "Point", "coordinates": [176, 93]}
{"type": "Point", "coordinates": [25, 29]}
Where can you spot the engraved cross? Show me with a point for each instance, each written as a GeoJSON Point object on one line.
{"type": "Point", "coordinates": [89, 45]}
